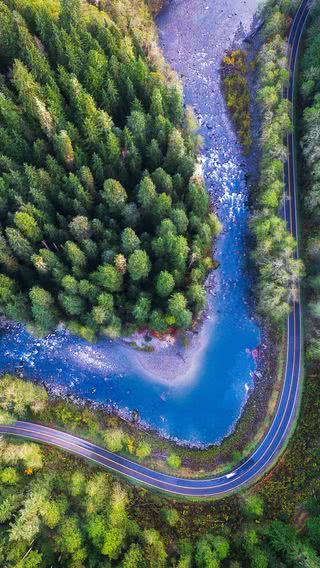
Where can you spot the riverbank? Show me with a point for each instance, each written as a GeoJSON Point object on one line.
{"type": "Point", "coordinates": [156, 5]}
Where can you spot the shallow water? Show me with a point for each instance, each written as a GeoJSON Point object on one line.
{"type": "Point", "coordinates": [203, 407]}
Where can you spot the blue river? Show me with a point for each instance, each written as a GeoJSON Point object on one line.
{"type": "Point", "coordinates": [204, 407]}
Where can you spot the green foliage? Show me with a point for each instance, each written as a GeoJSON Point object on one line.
{"type": "Point", "coordinates": [98, 155]}
{"type": "Point", "coordinates": [171, 516]}
{"type": "Point", "coordinates": [237, 93]}
{"type": "Point", "coordinates": [174, 461]}
{"type": "Point", "coordinates": [43, 310]}
{"type": "Point", "coordinates": [177, 308]}
{"type": "Point", "coordinates": [165, 283]}
{"type": "Point", "coordinates": [210, 551]}
{"type": "Point", "coordinates": [143, 450]}
{"type": "Point", "coordinates": [130, 241]}
{"type": "Point", "coordinates": [114, 439]}
{"type": "Point", "coordinates": [310, 173]}
{"type": "Point", "coordinates": [253, 506]}
{"type": "Point", "coordinates": [107, 277]}
{"type": "Point", "coordinates": [156, 554]}
{"type": "Point", "coordinates": [20, 397]}
{"type": "Point", "coordinates": [278, 270]}
{"type": "Point", "coordinates": [139, 265]}
{"type": "Point", "coordinates": [27, 225]}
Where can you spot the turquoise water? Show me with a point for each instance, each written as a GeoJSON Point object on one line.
{"type": "Point", "coordinates": [204, 408]}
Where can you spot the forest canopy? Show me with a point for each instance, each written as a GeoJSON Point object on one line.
{"type": "Point", "coordinates": [104, 225]}
{"type": "Point", "coordinates": [278, 270]}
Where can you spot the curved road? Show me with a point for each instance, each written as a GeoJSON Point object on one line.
{"type": "Point", "coordinates": [271, 445]}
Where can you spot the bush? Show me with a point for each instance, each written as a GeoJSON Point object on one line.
{"type": "Point", "coordinates": [114, 439]}
{"type": "Point", "coordinates": [143, 450]}
{"type": "Point", "coordinates": [252, 506]}
{"type": "Point", "coordinates": [171, 516]}
{"type": "Point", "coordinates": [174, 461]}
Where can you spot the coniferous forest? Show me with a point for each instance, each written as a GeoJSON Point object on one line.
{"type": "Point", "coordinates": [104, 225]}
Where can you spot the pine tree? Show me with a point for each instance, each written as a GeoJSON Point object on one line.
{"type": "Point", "coordinates": [141, 309]}
{"type": "Point", "coordinates": [80, 228]}
{"type": "Point", "coordinates": [176, 151]}
{"type": "Point", "coordinates": [28, 226]}
{"type": "Point", "coordinates": [154, 155]}
{"type": "Point", "coordinates": [139, 265]}
{"type": "Point", "coordinates": [29, 95]}
{"type": "Point", "coordinates": [108, 277]}
{"type": "Point", "coordinates": [19, 245]}
{"type": "Point", "coordinates": [165, 283]}
{"type": "Point", "coordinates": [83, 114]}
{"type": "Point", "coordinates": [162, 181]}
{"type": "Point", "coordinates": [63, 148]}
{"type": "Point", "coordinates": [156, 106]}
{"type": "Point", "coordinates": [147, 193]}
{"type": "Point", "coordinates": [43, 310]}
{"type": "Point", "coordinates": [175, 104]}
{"type": "Point", "coordinates": [129, 240]}
{"type": "Point", "coordinates": [114, 195]}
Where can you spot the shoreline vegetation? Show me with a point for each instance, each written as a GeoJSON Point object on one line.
{"type": "Point", "coordinates": [56, 508]}
{"type": "Point", "coordinates": [237, 94]}
{"type": "Point", "coordinates": [156, 5]}
{"type": "Point", "coordinates": [73, 289]}
{"type": "Point", "coordinates": [266, 121]}
{"type": "Point", "coordinates": [106, 224]}
{"type": "Point", "coordinates": [252, 72]}
{"type": "Point", "coordinates": [243, 68]}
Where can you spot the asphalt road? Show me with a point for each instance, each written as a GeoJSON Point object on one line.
{"type": "Point", "coordinates": [270, 447]}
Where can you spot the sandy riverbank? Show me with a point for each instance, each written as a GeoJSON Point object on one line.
{"type": "Point", "coordinates": [176, 362]}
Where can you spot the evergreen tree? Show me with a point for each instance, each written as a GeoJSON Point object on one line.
{"type": "Point", "coordinates": [63, 149]}
{"type": "Point", "coordinates": [108, 277]}
{"type": "Point", "coordinates": [43, 310]}
{"type": "Point", "coordinates": [28, 226]}
{"type": "Point", "coordinates": [19, 244]}
{"type": "Point", "coordinates": [139, 265]}
{"type": "Point", "coordinates": [165, 283]}
{"type": "Point", "coordinates": [156, 106]}
{"type": "Point", "coordinates": [129, 240]}
{"type": "Point", "coordinates": [146, 193]}
{"type": "Point", "coordinates": [114, 195]}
